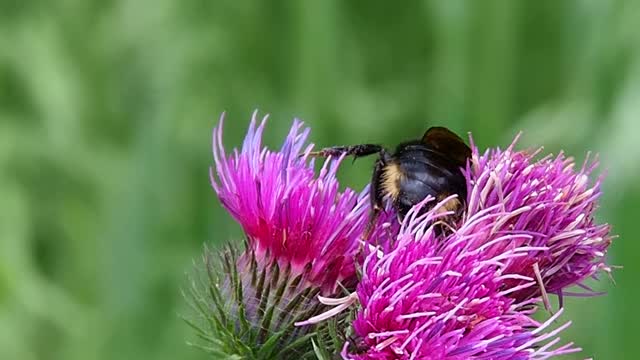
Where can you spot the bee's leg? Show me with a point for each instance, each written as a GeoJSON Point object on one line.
{"type": "Point", "coordinates": [374, 191]}
{"type": "Point", "coordinates": [375, 194]}
{"type": "Point", "coordinates": [375, 197]}
{"type": "Point", "coordinates": [352, 150]}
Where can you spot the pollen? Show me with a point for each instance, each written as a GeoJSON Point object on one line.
{"type": "Point", "coordinates": [452, 204]}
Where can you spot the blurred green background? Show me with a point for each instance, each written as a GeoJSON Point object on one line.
{"type": "Point", "coordinates": [106, 111]}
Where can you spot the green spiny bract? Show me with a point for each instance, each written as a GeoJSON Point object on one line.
{"type": "Point", "coordinates": [246, 309]}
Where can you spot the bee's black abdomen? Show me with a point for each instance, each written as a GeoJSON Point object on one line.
{"type": "Point", "coordinates": [412, 192]}
{"type": "Point", "coordinates": [426, 173]}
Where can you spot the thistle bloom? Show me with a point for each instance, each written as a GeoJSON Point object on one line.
{"type": "Point", "coordinates": [545, 206]}
{"type": "Point", "coordinates": [429, 299]}
{"type": "Point", "coordinates": [302, 235]}
{"type": "Point", "coordinates": [287, 213]}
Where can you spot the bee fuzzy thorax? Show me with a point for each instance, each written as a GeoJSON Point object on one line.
{"type": "Point", "coordinates": [391, 177]}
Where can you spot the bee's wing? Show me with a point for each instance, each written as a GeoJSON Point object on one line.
{"type": "Point", "coordinates": [448, 143]}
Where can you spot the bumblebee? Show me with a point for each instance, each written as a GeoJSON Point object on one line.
{"type": "Point", "coordinates": [416, 169]}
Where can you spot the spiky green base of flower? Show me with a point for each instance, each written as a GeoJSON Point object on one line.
{"type": "Point", "coordinates": [332, 334]}
{"type": "Point", "coordinates": [247, 307]}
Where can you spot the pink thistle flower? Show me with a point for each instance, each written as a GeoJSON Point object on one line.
{"type": "Point", "coordinates": [287, 212]}
{"type": "Point", "coordinates": [545, 207]}
{"type": "Point", "coordinates": [429, 299]}
{"type": "Point", "coordinates": [302, 236]}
